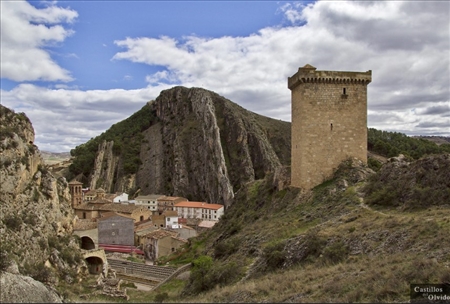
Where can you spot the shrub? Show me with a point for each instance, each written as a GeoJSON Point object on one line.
{"type": "Point", "coordinates": [43, 243]}
{"type": "Point", "coordinates": [274, 255]}
{"type": "Point", "coordinates": [13, 222]}
{"type": "Point", "coordinates": [226, 248]}
{"type": "Point", "coordinates": [374, 164]}
{"type": "Point", "coordinates": [161, 297]}
{"type": "Point", "coordinates": [5, 259]}
{"type": "Point", "coordinates": [40, 272]}
{"type": "Point", "coordinates": [198, 280]}
{"type": "Point", "coordinates": [29, 218]}
{"type": "Point", "coordinates": [336, 252]}
{"type": "Point", "coordinates": [67, 254]}
{"type": "Point", "coordinates": [7, 163]}
{"type": "Point", "coordinates": [224, 274]}
{"type": "Point", "coordinates": [54, 242]}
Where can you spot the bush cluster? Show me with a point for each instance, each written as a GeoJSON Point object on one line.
{"type": "Point", "coordinates": [13, 221]}
{"type": "Point", "coordinates": [226, 248]}
{"type": "Point", "coordinates": [420, 184]}
{"type": "Point", "coordinates": [206, 274]}
{"type": "Point", "coordinates": [274, 255]}
{"type": "Point", "coordinates": [336, 252]}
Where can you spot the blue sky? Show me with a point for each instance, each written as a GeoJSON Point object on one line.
{"type": "Point", "coordinates": [88, 53]}
{"type": "Point", "coordinates": [77, 67]}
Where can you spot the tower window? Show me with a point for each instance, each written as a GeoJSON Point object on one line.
{"type": "Point", "coordinates": [344, 91]}
{"type": "Point", "coordinates": [331, 127]}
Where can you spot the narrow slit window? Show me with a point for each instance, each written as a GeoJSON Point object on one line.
{"type": "Point", "coordinates": [344, 91]}
{"type": "Point", "coordinates": [331, 127]}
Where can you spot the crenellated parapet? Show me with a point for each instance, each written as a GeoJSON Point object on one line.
{"type": "Point", "coordinates": [309, 74]}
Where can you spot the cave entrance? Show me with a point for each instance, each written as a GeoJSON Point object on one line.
{"type": "Point", "coordinates": [87, 243]}
{"type": "Point", "coordinates": [95, 265]}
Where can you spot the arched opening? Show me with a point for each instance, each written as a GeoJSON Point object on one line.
{"type": "Point", "coordinates": [87, 243]}
{"type": "Point", "coordinates": [95, 265]}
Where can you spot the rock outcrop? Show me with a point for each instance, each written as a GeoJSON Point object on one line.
{"type": "Point", "coordinates": [201, 146]}
{"type": "Point", "coordinates": [22, 289]}
{"type": "Point", "coordinates": [36, 216]}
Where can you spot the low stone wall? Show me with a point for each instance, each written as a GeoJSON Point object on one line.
{"type": "Point", "coordinates": [177, 272]}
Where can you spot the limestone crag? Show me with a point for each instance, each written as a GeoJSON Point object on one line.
{"type": "Point", "coordinates": [202, 146]}
{"type": "Point", "coordinates": [35, 205]}
{"type": "Point", "coordinates": [104, 167]}
{"type": "Point", "coordinates": [195, 162]}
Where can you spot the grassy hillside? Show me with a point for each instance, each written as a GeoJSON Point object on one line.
{"type": "Point", "coordinates": [332, 244]}
{"type": "Point", "coordinates": [327, 245]}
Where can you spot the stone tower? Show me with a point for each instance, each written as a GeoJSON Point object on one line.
{"type": "Point", "coordinates": [329, 122]}
{"type": "Point", "coordinates": [75, 188]}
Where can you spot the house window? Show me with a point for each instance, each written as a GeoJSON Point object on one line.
{"type": "Point", "coordinates": [141, 218]}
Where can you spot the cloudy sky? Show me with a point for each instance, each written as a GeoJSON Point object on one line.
{"type": "Point", "coordinates": [77, 67]}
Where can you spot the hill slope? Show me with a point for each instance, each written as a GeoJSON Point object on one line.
{"type": "Point", "coordinates": [332, 244]}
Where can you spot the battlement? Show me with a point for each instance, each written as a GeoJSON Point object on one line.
{"type": "Point", "coordinates": [309, 74]}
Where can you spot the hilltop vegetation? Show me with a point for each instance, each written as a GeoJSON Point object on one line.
{"type": "Point", "coordinates": [127, 136]}
{"type": "Point", "coordinates": [390, 144]}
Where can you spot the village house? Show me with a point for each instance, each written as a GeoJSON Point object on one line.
{"type": "Point", "coordinates": [166, 203]}
{"type": "Point", "coordinates": [171, 219]}
{"type": "Point", "coordinates": [149, 201]}
{"type": "Point", "coordinates": [159, 220]}
{"type": "Point", "coordinates": [199, 210]}
{"type": "Point", "coordinates": [186, 232]}
{"type": "Point", "coordinates": [118, 197]}
{"type": "Point", "coordinates": [138, 213]}
{"type": "Point", "coordinates": [117, 229]}
{"type": "Point", "coordinates": [161, 242]}
{"type": "Point", "coordinates": [89, 210]}
{"type": "Point", "coordinates": [139, 235]}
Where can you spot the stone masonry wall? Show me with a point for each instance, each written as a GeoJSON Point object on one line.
{"type": "Point", "coordinates": [329, 122]}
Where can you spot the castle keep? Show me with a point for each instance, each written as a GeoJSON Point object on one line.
{"type": "Point", "coordinates": [329, 122]}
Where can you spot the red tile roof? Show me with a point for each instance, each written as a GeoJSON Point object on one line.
{"type": "Point", "coordinates": [199, 205]}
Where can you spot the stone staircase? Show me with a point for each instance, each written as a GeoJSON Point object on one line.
{"type": "Point", "coordinates": [141, 273]}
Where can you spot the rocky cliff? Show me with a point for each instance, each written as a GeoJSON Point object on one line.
{"type": "Point", "coordinates": [196, 144]}
{"type": "Point", "coordinates": [36, 218]}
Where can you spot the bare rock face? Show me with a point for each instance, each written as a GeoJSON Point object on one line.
{"type": "Point", "coordinates": [21, 289]}
{"type": "Point", "coordinates": [203, 147]}
{"type": "Point", "coordinates": [35, 208]}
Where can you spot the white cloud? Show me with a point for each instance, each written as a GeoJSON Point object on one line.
{"type": "Point", "coordinates": [64, 118]}
{"type": "Point", "coordinates": [405, 44]}
{"type": "Point", "coordinates": [25, 31]}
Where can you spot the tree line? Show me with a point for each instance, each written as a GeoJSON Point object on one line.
{"type": "Point", "coordinates": [390, 144]}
